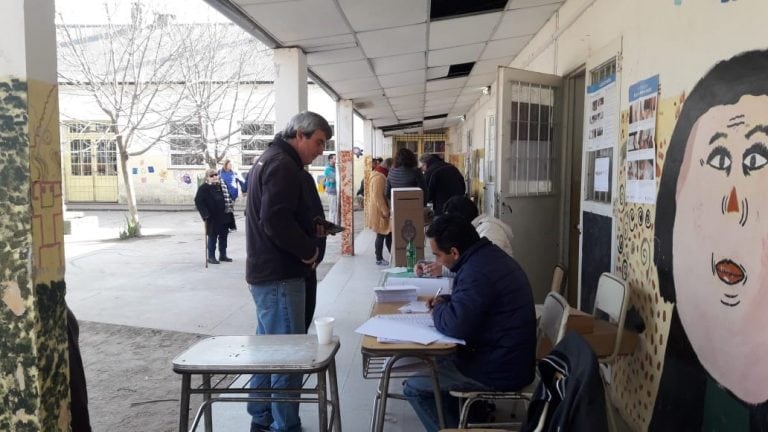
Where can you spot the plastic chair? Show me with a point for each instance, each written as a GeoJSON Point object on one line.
{"type": "Point", "coordinates": [559, 276]}
{"type": "Point", "coordinates": [611, 301]}
{"type": "Point", "coordinates": [554, 318]}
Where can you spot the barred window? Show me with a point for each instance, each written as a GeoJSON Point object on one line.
{"type": "Point", "coordinates": [186, 144]}
{"type": "Point", "coordinates": [81, 160]}
{"type": "Point", "coordinates": [255, 137]}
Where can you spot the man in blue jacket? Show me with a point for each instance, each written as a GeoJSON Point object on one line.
{"type": "Point", "coordinates": [491, 308]}
{"type": "Point", "coordinates": [282, 250]}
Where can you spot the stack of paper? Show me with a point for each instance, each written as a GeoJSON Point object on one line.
{"type": "Point", "coordinates": [402, 293]}
{"type": "Point", "coordinates": [405, 328]}
{"type": "Point", "coordinates": [424, 286]}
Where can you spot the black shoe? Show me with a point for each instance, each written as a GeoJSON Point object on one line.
{"type": "Point", "coordinates": [225, 259]}
{"type": "Point", "coordinates": [259, 428]}
{"type": "Point", "coordinates": [213, 261]}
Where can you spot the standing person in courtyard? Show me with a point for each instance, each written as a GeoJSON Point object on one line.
{"type": "Point", "coordinates": [443, 181]}
{"type": "Point", "coordinates": [330, 189]}
{"type": "Point", "coordinates": [281, 240]}
{"type": "Point", "coordinates": [231, 178]}
{"type": "Point", "coordinates": [490, 307]}
{"type": "Point", "coordinates": [378, 214]}
{"type": "Point", "coordinates": [215, 207]}
{"type": "Point", "coordinates": [316, 211]}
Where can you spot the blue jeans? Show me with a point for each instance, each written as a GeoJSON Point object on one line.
{"type": "Point", "coordinates": [279, 310]}
{"type": "Point", "coordinates": [418, 390]}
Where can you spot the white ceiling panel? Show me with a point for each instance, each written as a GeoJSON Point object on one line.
{"type": "Point", "coordinates": [377, 14]}
{"type": "Point", "coordinates": [399, 63]}
{"type": "Point", "coordinates": [444, 84]}
{"type": "Point", "coordinates": [334, 56]}
{"type": "Point", "coordinates": [480, 79]}
{"type": "Point", "coordinates": [437, 72]}
{"type": "Point", "coordinates": [356, 85]}
{"type": "Point", "coordinates": [505, 47]}
{"type": "Point", "coordinates": [344, 71]}
{"type": "Point", "coordinates": [519, 4]}
{"type": "Point", "coordinates": [365, 94]}
{"type": "Point", "coordinates": [433, 124]}
{"type": "Point", "coordinates": [521, 22]}
{"type": "Point", "coordinates": [462, 31]}
{"type": "Point", "coordinates": [324, 44]}
{"type": "Point", "coordinates": [459, 54]}
{"type": "Point", "coordinates": [488, 66]}
{"type": "Point", "coordinates": [409, 112]}
{"type": "Point", "coordinates": [403, 78]}
{"type": "Point", "coordinates": [317, 18]}
{"type": "Point", "coordinates": [394, 41]}
{"type": "Point", "coordinates": [442, 94]}
{"type": "Point", "coordinates": [404, 90]}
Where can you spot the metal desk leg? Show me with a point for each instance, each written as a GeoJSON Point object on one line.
{"type": "Point", "coordinates": [436, 388]}
{"type": "Point", "coordinates": [383, 393]}
{"type": "Point", "coordinates": [184, 405]}
{"type": "Point", "coordinates": [206, 398]}
{"type": "Point", "coordinates": [322, 401]}
{"type": "Point", "coordinates": [335, 402]}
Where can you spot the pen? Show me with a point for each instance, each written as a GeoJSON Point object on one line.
{"type": "Point", "coordinates": [438, 291]}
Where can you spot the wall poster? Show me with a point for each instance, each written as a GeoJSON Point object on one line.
{"type": "Point", "coordinates": [602, 109]}
{"type": "Point", "coordinates": [641, 141]}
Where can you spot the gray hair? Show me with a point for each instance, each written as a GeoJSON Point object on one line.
{"type": "Point", "coordinates": [307, 122]}
{"type": "Point", "coordinates": [386, 163]}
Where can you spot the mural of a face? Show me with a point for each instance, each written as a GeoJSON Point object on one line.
{"type": "Point", "coordinates": [720, 245]}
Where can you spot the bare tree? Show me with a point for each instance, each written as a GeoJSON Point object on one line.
{"type": "Point", "coordinates": [129, 70]}
{"type": "Point", "coordinates": [222, 72]}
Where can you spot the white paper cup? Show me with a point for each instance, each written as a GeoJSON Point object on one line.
{"type": "Point", "coordinates": [324, 327]}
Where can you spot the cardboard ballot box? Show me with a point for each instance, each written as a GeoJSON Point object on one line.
{"type": "Point", "coordinates": [407, 219]}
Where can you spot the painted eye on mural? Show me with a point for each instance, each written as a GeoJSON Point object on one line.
{"type": "Point", "coordinates": [720, 159]}
{"type": "Point", "coordinates": [755, 157]}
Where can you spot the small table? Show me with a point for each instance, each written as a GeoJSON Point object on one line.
{"type": "Point", "coordinates": [380, 358]}
{"type": "Point", "coordinates": [233, 356]}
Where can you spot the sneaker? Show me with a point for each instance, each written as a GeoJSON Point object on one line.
{"type": "Point", "coordinates": [225, 259]}
{"type": "Point", "coordinates": [213, 261]}
{"type": "Point", "coordinates": [382, 262]}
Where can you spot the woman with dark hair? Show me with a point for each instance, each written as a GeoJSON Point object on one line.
{"type": "Point", "coordinates": [711, 252]}
{"type": "Point", "coordinates": [405, 173]}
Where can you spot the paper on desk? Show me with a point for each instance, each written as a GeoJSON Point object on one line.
{"type": "Point", "coordinates": [425, 286]}
{"type": "Point", "coordinates": [390, 329]}
{"type": "Point", "coordinates": [414, 306]}
{"type": "Point", "coordinates": [395, 270]}
{"type": "Point", "coordinates": [422, 321]}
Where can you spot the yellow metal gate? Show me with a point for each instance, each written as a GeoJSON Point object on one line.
{"type": "Point", "coordinates": [90, 164]}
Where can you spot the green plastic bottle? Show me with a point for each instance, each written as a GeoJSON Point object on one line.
{"type": "Point", "coordinates": [410, 256]}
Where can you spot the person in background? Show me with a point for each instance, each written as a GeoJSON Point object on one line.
{"type": "Point", "coordinates": [232, 179]}
{"type": "Point", "coordinates": [404, 173]}
{"type": "Point", "coordinates": [443, 181]}
{"type": "Point", "coordinates": [378, 214]}
{"type": "Point", "coordinates": [330, 189]}
{"type": "Point", "coordinates": [215, 207]}
{"type": "Point", "coordinates": [491, 308]}
{"type": "Point", "coordinates": [282, 246]}
{"type": "Point", "coordinates": [80, 421]}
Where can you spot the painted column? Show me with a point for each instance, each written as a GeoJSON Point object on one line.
{"type": "Point", "coordinates": [344, 169]}
{"type": "Point", "coordinates": [34, 361]}
{"type": "Point", "coordinates": [290, 84]}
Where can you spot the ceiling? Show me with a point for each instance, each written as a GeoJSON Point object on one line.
{"type": "Point", "coordinates": [405, 64]}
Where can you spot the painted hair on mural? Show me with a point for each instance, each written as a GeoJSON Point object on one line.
{"type": "Point", "coordinates": [724, 84]}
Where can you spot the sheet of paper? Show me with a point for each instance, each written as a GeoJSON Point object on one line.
{"type": "Point", "coordinates": [391, 329]}
{"type": "Point", "coordinates": [414, 306]}
{"type": "Point", "coordinates": [422, 321]}
{"type": "Point", "coordinates": [395, 270]}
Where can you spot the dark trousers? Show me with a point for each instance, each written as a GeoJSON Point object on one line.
{"type": "Point", "coordinates": [80, 420]}
{"type": "Point", "coordinates": [379, 245]}
{"type": "Point", "coordinates": [221, 236]}
{"type": "Point", "coordinates": [310, 299]}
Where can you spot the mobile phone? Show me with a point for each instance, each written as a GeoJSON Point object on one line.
{"type": "Point", "coordinates": [330, 227]}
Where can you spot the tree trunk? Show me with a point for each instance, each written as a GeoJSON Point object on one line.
{"type": "Point", "coordinates": [130, 196]}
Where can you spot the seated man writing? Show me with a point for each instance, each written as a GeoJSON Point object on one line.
{"type": "Point", "coordinates": [491, 307]}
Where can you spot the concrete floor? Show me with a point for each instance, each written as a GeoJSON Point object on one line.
{"type": "Point", "coordinates": [160, 282]}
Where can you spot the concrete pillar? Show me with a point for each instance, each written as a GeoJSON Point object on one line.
{"type": "Point", "coordinates": [34, 361]}
{"type": "Point", "coordinates": [344, 169]}
{"type": "Point", "coordinates": [290, 84]}
{"type": "Point", "coordinates": [368, 143]}
{"type": "Point", "coordinates": [386, 146]}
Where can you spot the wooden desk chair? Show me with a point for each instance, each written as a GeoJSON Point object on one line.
{"type": "Point", "coordinates": [554, 318]}
{"type": "Point", "coordinates": [611, 300]}
{"type": "Point", "coordinates": [559, 276]}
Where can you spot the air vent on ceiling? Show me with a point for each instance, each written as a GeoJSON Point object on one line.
{"type": "Point", "coordinates": [436, 116]}
{"type": "Point", "coordinates": [460, 70]}
{"type": "Point", "coordinates": [442, 9]}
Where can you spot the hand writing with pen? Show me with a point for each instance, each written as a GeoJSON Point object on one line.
{"type": "Point", "coordinates": [436, 300]}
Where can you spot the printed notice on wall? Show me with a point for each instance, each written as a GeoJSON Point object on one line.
{"type": "Point", "coordinates": [602, 109]}
{"type": "Point", "coordinates": [641, 141]}
{"type": "Point", "coordinates": [602, 174]}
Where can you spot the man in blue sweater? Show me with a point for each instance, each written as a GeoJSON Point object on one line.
{"type": "Point", "coordinates": [491, 308]}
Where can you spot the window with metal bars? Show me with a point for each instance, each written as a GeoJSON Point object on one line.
{"type": "Point", "coordinates": [185, 144]}
{"type": "Point", "coordinates": [531, 148]}
{"type": "Point", "coordinates": [596, 75]}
